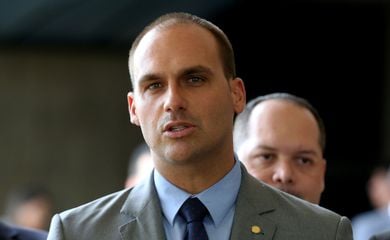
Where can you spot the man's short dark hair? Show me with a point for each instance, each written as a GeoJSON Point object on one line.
{"type": "Point", "coordinates": [242, 120]}
{"type": "Point", "coordinates": [225, 48]}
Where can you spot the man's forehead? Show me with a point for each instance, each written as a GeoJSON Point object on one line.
{"type": "Point", "coordinates": [190, 52]}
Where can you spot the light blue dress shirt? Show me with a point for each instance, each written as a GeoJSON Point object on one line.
{"type": "Point", "coordinates": [219, 199]}
{"type": "Point", "coordinates": [366, 224]}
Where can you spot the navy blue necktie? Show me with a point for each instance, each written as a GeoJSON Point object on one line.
{"type": "Point", "coordinates": [193, 211]}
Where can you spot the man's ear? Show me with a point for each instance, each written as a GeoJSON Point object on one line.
{"type": "Point", "coordinates": [132, 108]}
{"type": "Point", "coordinates": [238, 94]}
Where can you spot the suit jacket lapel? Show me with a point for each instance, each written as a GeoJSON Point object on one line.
{"type": "Point", "coordinates": [143, 210]}
{"type": "Point", "coordinates": [144, 218]}
{"type": "Point", "coordinates": [252, 207]}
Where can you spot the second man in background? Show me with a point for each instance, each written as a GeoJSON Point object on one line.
{"type": "Point", "coordinates": [280, 138]}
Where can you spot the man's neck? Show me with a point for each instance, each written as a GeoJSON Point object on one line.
{"type": "Point", "coordinates": [196, 176]}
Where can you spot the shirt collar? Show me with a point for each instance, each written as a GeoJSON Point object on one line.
{"type": "Point", "coordinates": [218, 198]}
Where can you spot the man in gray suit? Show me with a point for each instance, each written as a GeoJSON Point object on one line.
{"type": "Point", "coordinates": [185, 96]}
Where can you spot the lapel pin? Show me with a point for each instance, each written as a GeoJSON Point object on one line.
{"type": "Point", "coordinates": [256, 229]}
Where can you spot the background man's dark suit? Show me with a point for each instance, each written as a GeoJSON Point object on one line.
{"type": "Point", "coordinates": [382, 236]}
{"type": "Point", "coordinates": [15, 233]}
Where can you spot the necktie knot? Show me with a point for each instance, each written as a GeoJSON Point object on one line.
{"type": "Point", "coordinates": [193, 211]}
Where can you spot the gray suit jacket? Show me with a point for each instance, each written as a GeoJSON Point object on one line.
{"type": "Point", "coordinates": [136, 214]}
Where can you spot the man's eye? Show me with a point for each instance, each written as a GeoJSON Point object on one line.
{"type": "Point", "coordinates": [262, 159]}
{"type": "Point", "coordinates": [266, 157]}
{"type": "Point", "coordinates": [195, 80]}
{"type": "Point", "coordinates": [153, 86]}
{"type": "Point", "coordinates": [304, 161]}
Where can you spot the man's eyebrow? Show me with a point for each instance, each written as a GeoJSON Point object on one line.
{"type": "Point", "coordinates": [147, 78]}
{"type": "Point", "coordinates": [196, 69]}
{"type": "Point", "coordinates": [310, 152]}
{"type": "Point", "coordinates": [265, 147]}
{"type": "Point", "coordinates": [199, 69]}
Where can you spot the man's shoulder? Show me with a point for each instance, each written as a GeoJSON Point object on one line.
{"type": "Point", "coordinates": [98, 219]}
{"type": "Point", "coordinates": [281, 207]}
{"type": "Point", "coordinates": [367, 223]}
{"type": "Point", "coordinates": [20, 233]}
{"type": "Point", "coordinates": [30, 234]}
{"type": "Point", "coordinates": [299, 207]}
{"type": "Point", "coordinates": [109, 203]}
{"type": "Point", "coordinates": [284, 215]}
{"type": "Point", "coordinates": [381, 236]}
{"type": "Point", "coordinates": [374, 215]}
{"type": "Point", "coordinates": [109, 217]}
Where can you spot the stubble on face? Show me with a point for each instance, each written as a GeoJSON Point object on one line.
{"type": "Point", "coordinates": [206, 108]}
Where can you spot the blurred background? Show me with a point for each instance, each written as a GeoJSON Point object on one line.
{"type": "Point", "coordinates": [64, 78]}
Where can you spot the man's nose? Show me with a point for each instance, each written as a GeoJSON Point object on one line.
{"type": "Point", "coordinates": [175, 98]}
{"type": "Point", "coordinates": [283, 173]}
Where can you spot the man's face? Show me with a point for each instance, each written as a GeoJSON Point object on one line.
{"type": "Point", "coordinates": [182, 99]}
{"type": "Point", "coordinates": [283, 149]}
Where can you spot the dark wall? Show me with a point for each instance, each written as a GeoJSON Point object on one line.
{"type": "Point", "coordinates": [64, 122]}
{"type": "Point", "coordinates": [331, 53]}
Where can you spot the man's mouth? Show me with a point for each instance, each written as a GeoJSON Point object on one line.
{"type": "Point", "coordinates": [178, 129]}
